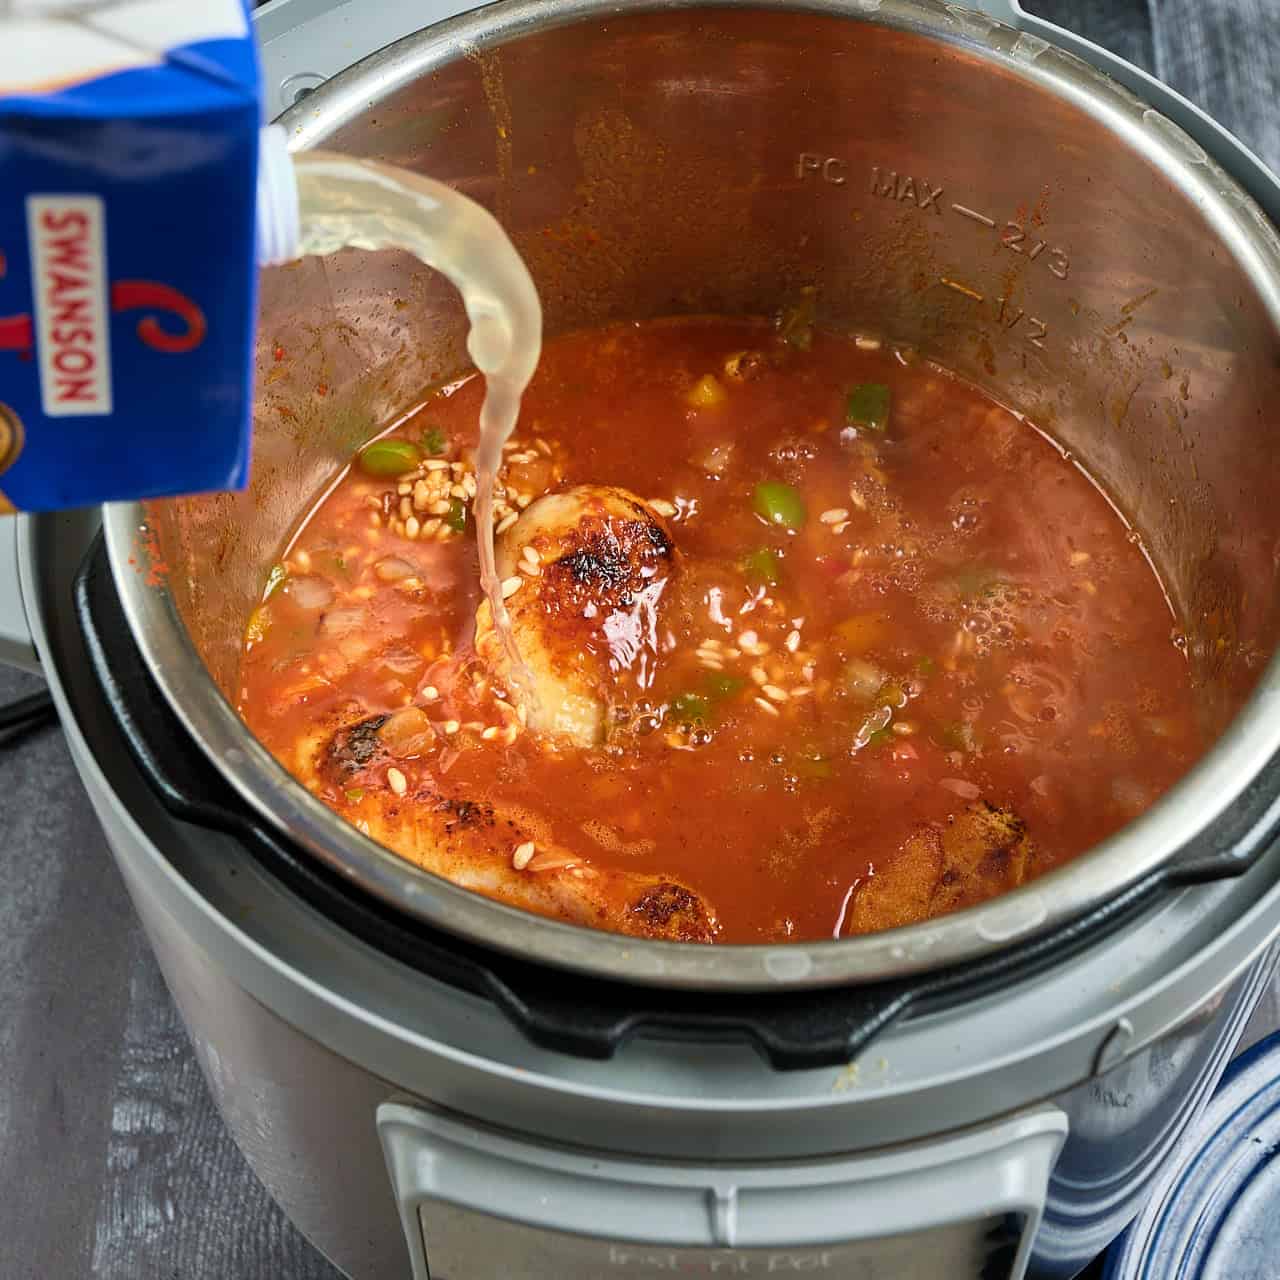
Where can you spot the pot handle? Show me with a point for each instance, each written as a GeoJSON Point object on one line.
{"type": "Point", "coordinates": [17, 649]}
{"type": "Point", "coordinates": [1227, 150]}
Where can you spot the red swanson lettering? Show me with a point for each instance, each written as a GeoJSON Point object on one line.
{"type": "Point", "coordinates": [68, 270]}
{"type": "Point", "coordinates": [64, 219]}
{"type": "Point", "coordinates": [74, 355]}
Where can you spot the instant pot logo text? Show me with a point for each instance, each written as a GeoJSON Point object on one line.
{"type": "Point", "coordinates": [72, 303]}
{"type": "Point", "coordinates": [674, 1262]}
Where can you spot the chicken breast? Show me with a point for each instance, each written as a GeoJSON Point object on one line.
{"type": "Point", "coordinates": [979, 853]}
{"type": "Point", "coordinates": [474, 843]}
{"type": "Point", "coordinates": [585, 620]}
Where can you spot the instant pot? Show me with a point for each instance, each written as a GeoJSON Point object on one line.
{"type": "Point", "coordinates": [432, 1084]}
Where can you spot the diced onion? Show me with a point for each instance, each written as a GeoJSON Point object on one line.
{"type": "Point", "coordinates": [356, 645]}
{"type": "Point", "coordinates": [402, 662]}
{"type": "Point", "coordinates": [407, 732]}
{"type": "Point", "coordinates": [393, 569]}
{"type": "Point", "coordinates": [863, 679]}
{"type": "Point", "coordinates": [309, 592]}
{"type": "Point", "coordinates": [343, 621]}
{"type": "Point", "coordinates": [715, 458]}
{"type": "Point", "coordinates": [958, 786]}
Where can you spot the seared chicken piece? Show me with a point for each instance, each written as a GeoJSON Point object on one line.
{"type": "Point", "coordinates": [472, 843]}
{"type": "Point", "coordinates": [585, 624]}
{"type": "Point", "coordinates": [978, 854]}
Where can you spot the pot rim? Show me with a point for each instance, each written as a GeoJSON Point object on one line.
{"type": "Point", "coordinates": [1155, 839]}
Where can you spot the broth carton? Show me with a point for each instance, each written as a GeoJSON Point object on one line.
{"type": "Point", "coordinates": [129, 137]}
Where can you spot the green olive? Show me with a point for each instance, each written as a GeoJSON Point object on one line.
{"type": "Point", "coordinates": [780, 504]}
{"type": "Point", "coordinates": [868, 407]}
{"type": "Point", "coordinates": [763, 567]}
{"type": "Point", "coordinates": [389, 457]}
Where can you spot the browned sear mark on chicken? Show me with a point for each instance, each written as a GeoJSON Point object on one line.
{"type": "Point", "coordinates": [670, 911]}
{"type": "Point", "coordinates": [979, 853]}
{"type": "Point", "coordinates": [614, 561]}
{"type": "Point", "coordinates": [466, 813]}
{"type": "Point", "coordinates": [354, 748]}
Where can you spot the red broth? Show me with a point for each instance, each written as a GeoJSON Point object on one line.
{"type": "Point", "coordinates": [906, 626]}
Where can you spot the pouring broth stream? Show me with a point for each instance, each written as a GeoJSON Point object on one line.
{"type": "Point", "coordinates": [346, 203]}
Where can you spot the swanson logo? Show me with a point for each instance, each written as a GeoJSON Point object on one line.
{"type": "Point", "coordinates": [70, 336]}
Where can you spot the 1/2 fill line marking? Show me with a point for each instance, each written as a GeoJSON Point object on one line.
{"type": "Point", "coordinates": [962, 288]}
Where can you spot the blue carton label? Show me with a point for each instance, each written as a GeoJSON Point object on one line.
{"type": "Point", "coordinates": [129, 149]}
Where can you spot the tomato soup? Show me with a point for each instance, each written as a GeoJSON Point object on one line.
{"type": "Point", "coordinates": [890, 651]}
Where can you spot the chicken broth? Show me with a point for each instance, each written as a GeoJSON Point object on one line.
{"type": "Point", "coordinates": [826, 642]}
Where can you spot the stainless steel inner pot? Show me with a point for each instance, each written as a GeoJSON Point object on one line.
{"type": "Point", "coordinates": [942, 180]}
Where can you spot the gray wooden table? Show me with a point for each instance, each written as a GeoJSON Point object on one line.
{"type": "Point", "coordinates": [113, 1163]}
